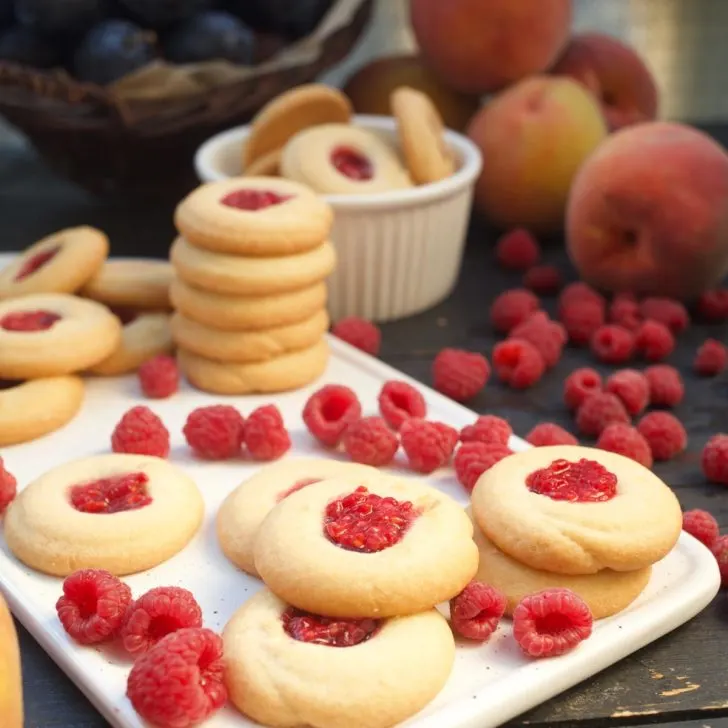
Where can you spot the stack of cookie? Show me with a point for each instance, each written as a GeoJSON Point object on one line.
{"type": "Point", "coordinates": [251, 265]}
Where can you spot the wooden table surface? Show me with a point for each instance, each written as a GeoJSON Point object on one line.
{"type": "Point", "coordinates": [678, 680]}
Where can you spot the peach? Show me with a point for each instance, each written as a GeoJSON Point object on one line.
{"type": "Point", "coordinates": [615, 74]}
{"type": "Point", "coordinates": [479, 46]}
{"type": "Point", "coordinates": [534, 137]}
{"type": "Point", "coordinates": [648, 212]}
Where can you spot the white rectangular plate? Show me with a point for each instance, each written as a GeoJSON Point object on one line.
{"type": "Point", "coordinates": [490, 683]}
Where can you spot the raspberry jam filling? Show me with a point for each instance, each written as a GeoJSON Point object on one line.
{"type": "Point", "coordinates": [34, 262]}
{"type": "Point", "coordinates": [352, 164]}
{"type": "Point", "coordinates": [584, 481]}
{"type": "Point", "coordinates": [316, 630]}
{"type": "Point", "coordinates": [254, 200]}
{"type": "Point", "coordinates": [115, 494]}
{"type": "Point", "coordinates": [300, 485]}
{"type": "Point", "coordinates": [365, 522]}
{"type": "Point", "coordinates": [29, 320]}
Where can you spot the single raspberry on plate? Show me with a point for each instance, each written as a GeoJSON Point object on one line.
{"type": "Point", "coordinates": [472, 459]}
{"type": "Point", "coordinates": [487, 428]}
{"type": "Point", "coordinates": [714, 459]}
{"type": "Point", "coordinates": [370, 441]}
{"type": "Point", "coordinates": [511, 308]}
{"type": "Point", "coordinates": [654, 341]}
{"type": "Point", "coordinates": [180, 683]}
{"type": "Point", "coordinates": [666, 385]}
{"type": "Point", "coordinates": [93, 606]}
{"type": "Point", "coordinates": [329, 411]}
{"type": "Point", "coordinates": [624, 310]}
{"type": "Point", "coordinates": [265, 434]}
{"type": "Point", "coordinates": [711, 358]}
{"type": "Point", "coordinates": [632, 387]}
{"type": "Point", "coordinates": [543, 279]}
{"type": "Point", "coordinates": [667, 311]}
{"type": "Point", "coordinates": [720, 551]}
{"type": "Point", "coordinates": [546, 434]}
{"type": "Point", "coordinates": [517, 250]}
{"type": "Point", "coordinates": [161, 611]}
{"type": "Point", "coordinates": [613, 344]}
{"type": "Point", "coordinates": [359, 332]}
{"type": "Point", "coordinates": [215, 432]}
{"type": "Point", "coordinates": [665, 434]}
{"type": "Point", "coordinates": [580, 292]}
{"type": "Point", "coordinates": [476, 611]}
{"type": "Point", "coordinates": [581, 320]}
{"type": "Point", "coordinates": [428, 445]}
{"type": "Point", "coordinates": [713, 305]}
{"type": "Point", "coordinates": [159, 377]}
{"type": "Point", "coordinates": [701, 525]}
{"type": "Point", "coordinates": [600, 410]}
{"type": "Point", "coordinates": [551, 622]}
{"type": "Point", "coordinates": [626, 440]}
{"type": "Point", "coordinates": [579, 385]}
{"type": "Point", "coordinates": [8, 487]}
{"type": "Point", "coordinates": [460, 374]}
{"type": "Point", "coordinates": [398, 401]}
{"type": "Point", "coordinates": [518, 363]}
{"type": "Point", "coordinates": [546, 335]}
{"type": "Point", "coordinates": [140, 432]}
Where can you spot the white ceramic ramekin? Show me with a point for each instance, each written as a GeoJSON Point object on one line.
{"type": "Point", "coordinates": [399, 252]}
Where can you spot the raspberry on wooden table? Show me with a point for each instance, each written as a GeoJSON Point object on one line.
{"type": "Point", "coordinates": [141, 432]}
{"type": "Point", "coordinates": [428, 445]}
{"type": "Point", "coordinates": [460, 374]}
{"type": "Point", "coordinates": [713, 305]}
{"type": "Point", "coordinates": [93, 606]}
{"type": "Point", "coordinates": [546, 335]}
{"type": "Point", "coordinates": [159, 377]}
{"type": "Point", "coordinates": [518, 363]}
{"type": "Point", "coordinates": [511, 308]}
{"type": "Point", "coordinates": [543, 279]}
{"type": "Point", "coordinates": [612, 344]}
{"type": "Point", "coordinates": [517, 250]}
{"type": "Point", "coordinates": [476, 611]}
{"type": "Point", "coordinates": [666, 385]}
{"type": "Point", "coordinates": [579, 385]}
{"type": "Point", "coordinates": [701, 525]}
{"type": "Point", "coordinates": [370, 441]}
{"type": "Point", "coordinates": [714, 459]}
{"type": "Point", "coordinates": [632, 387]}
{"type": "Point", "coordinates": [626, 440]}
{"type": "Point", "coordinates": [654, 341]}
{"type": "Point", "coordinates": [667, 311]}
{"type": "Point", "coordinates": [720, 551]}
{"type": "Point", "coordinates": [180, 683]}
{"type": "Point", "coordinates": [472, 459]}
{"type": "Point", "coordinates": [329, 411]}
{"type": "Point", "coordinates": [711, 358]}
{"type": "Point", "coordinates": [665, 434]}
{"type": "Point", "coordinates": [8, 487]}
{"type": "Point", "coordinates": [546, 434]}
{"type": "Point", "coordinates": [487, 428]}
{"type": "Point", "coordinates": [215, 432]}
{"type": "Point", "coordinates": [600, 410]}
{"type": "Point", "coordinates": [265, 434]}
{"type": "Point", "coordinates": [581, 293]}
{"type": "Point", "coordinates": [398, 401]}
{"type": "Point", "coordinates": [624, 310]}
{"type": "Point", "coordinates": [582, 320]}
{"type": "Point", "coordinates": [359, 332]}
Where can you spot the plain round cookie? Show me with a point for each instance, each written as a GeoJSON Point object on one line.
{"type": "Point", "coordinates": [246, 507]}
{"type": "Point", "coordinates": [635, 529]}
{"type": "Point", "coordinates": [86, 334]}
{"type": "Point", "coordinates": [282, 374]}
{"type": "Point", "coordinates": [247, 313]}
{"type": "Point", "coordinates": [268, 165]}
{"type": "Point", "coordinates": [279, 681]}
{"type": "Point", "coordinates": [48, 534]}
{"type": "Point", "coordinates": [132, 283]}
{"type": "Point", "coordinates": [64, 260]}
{"type": "Point", "coordinates": [433, 562]}
{"type": "Point", "coordinates": [38, 407]}
{"type": "Point", "coordinates": [243, 276]}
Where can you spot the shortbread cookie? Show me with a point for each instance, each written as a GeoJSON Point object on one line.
{"type": "Point", "coordinates": [122, 513]}
{"type": "Point", "coordinates": [145, 336]}
{"type": "Point", "coordinates": [247, 313]}
{"type": "Point", "coordinates": [32, 409]}
{"type": "Point", "coordinates": [577, 510]}
{"type": "Point", "coordinates": [60, 263]}
{"type": "Point", "coordinates": [343, 160]}
{"type": "Point", "coordinates": [287, 668]}
{"type": "Point", "coordinates": [247, 506]}
{"type": "Point", "coordinates": [284, 373]}
{"type": "Point", "coordinates": [134, 283]}
{"type": "Point", "coordinates": [254, 216]}
{"type": "Point", "coordinates": [49, 334]}
{"type": "Point", "coordinates": [268, 165]}
{"type": "Point", "coordinates": [422, 136]}
{"type": "Point", "coordinates": [394, 547]}
{"type": "Point", "coordinates": [283, 117]}
{"type": "Point", "coordinates": [241, 276]}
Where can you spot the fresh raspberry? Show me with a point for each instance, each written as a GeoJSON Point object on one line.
{"type": "Point", "coordinates": [329, 411]}
{"type": "Point", "coordinates": [215, 432]}
{"type": "Point", "coordinates": [720, 551]}
{"type": "Point", "coordinates": [472, 459]}
{"type": "Point", "coordinates": [551, 622]}
{"type": "Point", "coordinates": [665, 434]}
{"type": "Point", "coordinates": [398, 401]}
{"type": "Point", "coordinates": [632, 387]}
{"type": "Point", "coordinates": [159, 377]}
{"type": "Point", "coordinates": [667, 311]}
{"type": "Point", "coordinates": [546, 434]}
{"type": "Point", "coordinates": [654, 341]}
{"type": "Point", "coordinates": [360, 333]}
{"type": "Point", "coordinates": [369, 441]}
{"type": "Point", "coordinates": [543, 279]}
{"type": "Point", "coordinates": [460, 374]}
{"type": "Point", "coordinates": [161, 611]}
{"type": "Point", "coordinates": [517, 250]}
{"type": "Point", "coordinates": [141, 432]}
{"type": "Point", "coordinates": [93, 606]}
{"type": "Point", "coordinates": [711, 358]}
{"type": "Point", "coordinates": [8, 487]}
{"type": "Point", "coordinates": [626, 440]}
{"type": "Point", "coordinates": [713, 305]}
{"type": "Point", "coordinates": [701, 525]}
{"type": "Point", "coordinates": [476, 611]}
{"type": "Point", "coordinates": [600, 410]}
{"type": "Point", "coordinates": [428, 445]}
{"type": "Point", "coordinates": [579, 385]}
{"type": "Point", "coordinates": [487, 428]}
{"type": "Point", "coordinates": [180, 683]}
{"type": "Point", "coordinates": [581, 292]}
{"type": "Point", "coordinates": [581, 320]}
{"type": "Point", "coordinates": [714, 459]}
{"type": "Point", "coordinates": [613, 344]}
{"type": "Point", "coordinates": [518, 363]}
{"type": "Point", "coordinates": [546, 335]}
{"type": "Point", "coordinates": [511, 308]}
{"type": "Point", "coordinates": [625, 311]}
{"type": "Point", "coordinates": [265, 434]}
{"type": "Point", "coordinates": [666, 385]}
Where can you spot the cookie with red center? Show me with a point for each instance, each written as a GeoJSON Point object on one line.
{"type": "Point", "coordinates": [121, 513]}
{"type": "Point", "coordinates": [389, 547]}
{"type": "Point", "coordinates": [576, 510]}
{"type": "Point", "coordinates": [286, 667]}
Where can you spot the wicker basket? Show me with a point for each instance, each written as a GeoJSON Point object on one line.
{"type": "Point", "coordinates": [139, 136]}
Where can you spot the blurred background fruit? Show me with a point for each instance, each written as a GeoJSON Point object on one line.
{"type": "Point", "coordinates": [160, 14]}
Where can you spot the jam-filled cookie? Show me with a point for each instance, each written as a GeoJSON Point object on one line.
{"type": "Point", "coordinates": [134, 283]}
